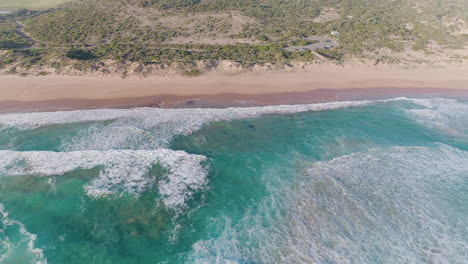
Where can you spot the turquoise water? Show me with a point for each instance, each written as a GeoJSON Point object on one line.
{"type": "Point", "coordinates": [348, 182]}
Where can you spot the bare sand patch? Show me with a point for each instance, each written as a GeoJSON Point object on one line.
{"type": "Point", "coordinates": [327, 14]}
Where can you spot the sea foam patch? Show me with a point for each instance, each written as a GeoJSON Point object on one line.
{"type": "Point", "coordinates": [123, 171]}
{"type": "Point", "coordinates": [162, 115]}
{"type": "Point", "coordinates": [399, 204]}
{"type": "Point", "coordinates": [151, 116]}
{"type": "Point", "coordinates": [447, 115]}
{"type": "Point", "coordinates": [148, 128]}
{"type": "Point", "coordinates": [387, 205]}
{"type": "Point", "coordinates": [10, 226]}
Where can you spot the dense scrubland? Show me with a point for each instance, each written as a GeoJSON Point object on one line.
{"type": "Point", "coordinates": [247, 32]}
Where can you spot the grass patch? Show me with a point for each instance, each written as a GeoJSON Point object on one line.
{"type": "Point", "coordinates": [192, 72]}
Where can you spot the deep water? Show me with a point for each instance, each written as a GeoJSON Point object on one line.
{"type": "Point", "coordinates": [348, 182]}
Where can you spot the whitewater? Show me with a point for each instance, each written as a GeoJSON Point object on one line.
{"type": "Point", "coordinates": [376, 181]}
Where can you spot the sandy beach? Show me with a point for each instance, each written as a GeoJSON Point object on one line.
{"type": "Point", "coordinates": [319, 83]}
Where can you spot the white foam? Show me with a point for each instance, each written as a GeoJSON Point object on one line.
{"type": "Point", "coordinates": [124, 171]}
{"type": "Point", "coordinates": [447, 115]}
{"type": "Point", "coordinates": [390, 202]}
{"type": "Point", "coordinates": [149, 128]}
{"type": "Point", "coordinates": [388, 205]}
{"type": "Point", "coordinates": [29, 238]}
{"type": "Point", "coordinates": [64, 117]}
{"type": "Point", "coordinates": [5, 244]}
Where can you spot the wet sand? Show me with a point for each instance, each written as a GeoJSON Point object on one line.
{"type": "Point", "coordinates": [230, 100]}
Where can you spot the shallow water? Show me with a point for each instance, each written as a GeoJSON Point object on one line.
{"type": "Point", "coordinates": [348, 182]}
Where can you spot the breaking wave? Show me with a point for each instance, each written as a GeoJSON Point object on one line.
{"type": "Point", "coordinates": [124, 171]}
{"type": "Point", "coordinates": [149, 128]}
{"type": "Point", "coordinates": [446, 115]}
{"type": "Point", "coordinates": [390, 205]}
{"type": "Point", "coordinates": [153, 116]}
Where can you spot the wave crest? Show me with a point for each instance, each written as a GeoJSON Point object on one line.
{"type": "Point", "coordinates": [149, 128]}
{"type": "Point", "coordinates": [124, 171]}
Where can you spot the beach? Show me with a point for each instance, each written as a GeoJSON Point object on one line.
{"type": "Point", "coordinates": [321, 82]}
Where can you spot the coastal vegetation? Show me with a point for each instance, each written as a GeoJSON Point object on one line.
{"type": "Point", "coordinates": [243, 31]}
{"type": "Point", "coordinates": [242, 53]}
{"type": "Point", "coordinates": [33, 4]}
{"type": "Point", "coordinates": [9, 39]}
{"type": "Point", "coordinates": [80, 54]}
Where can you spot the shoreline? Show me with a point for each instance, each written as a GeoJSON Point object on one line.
{"type": "Point", "coordinates": [323, 83]}
{"type": "Point", "coordinates": [230, 100]}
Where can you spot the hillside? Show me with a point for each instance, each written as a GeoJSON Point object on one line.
{"type": "Point", "coordinates": [193, 36]}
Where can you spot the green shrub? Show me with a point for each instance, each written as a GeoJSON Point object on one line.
{"type": "Point", "coordinates": [9, 44]}
{"type": "Point", "coordinates": [420, 44]}
{"type": "Point", "coordinates": [192, 72]}
{"type": "Point", "coordinates": [80, 54]}
{"type": "Point", "coordinates": [262, 38]}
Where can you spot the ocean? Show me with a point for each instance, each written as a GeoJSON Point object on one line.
{"type": "Point", "coordinates": [382, 181]}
